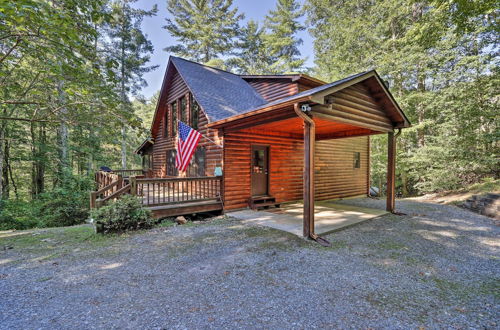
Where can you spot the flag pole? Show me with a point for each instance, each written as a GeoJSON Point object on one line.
{"type": "Point", "coordinates": [209, 139]}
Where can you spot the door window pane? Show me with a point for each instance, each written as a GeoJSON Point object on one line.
{"type": "Point", "coordinates": [258, 161]}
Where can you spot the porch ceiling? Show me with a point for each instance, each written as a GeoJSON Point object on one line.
{"type": "Point", "coordinates": [325, 129]}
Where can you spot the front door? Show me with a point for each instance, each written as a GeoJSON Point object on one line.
{"type": "Point", "coordinates": [260, 170]}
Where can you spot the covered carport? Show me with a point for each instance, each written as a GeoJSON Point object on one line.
{"type": "Point", "coordinates": [359, 105]}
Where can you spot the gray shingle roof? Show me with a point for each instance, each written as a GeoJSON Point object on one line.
{"type": "Point", "coordinates": [307, 92]}
{"type": "Point", "coordinates": [221, 94]}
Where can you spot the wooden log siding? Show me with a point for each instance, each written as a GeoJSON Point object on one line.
{"type": "Point", "coordinates": [273, 89]}
{"type": "Point", "coordinates": [302, 87]}
{"type": "Point", "coordinates": [164, 142]}
{"type": "Point", "coordinates": [335, 175]}
{"type": "Point", "coordinates": [354, 105]}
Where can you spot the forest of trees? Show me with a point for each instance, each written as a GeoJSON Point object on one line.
{"type": "Point", "coordinates": [71, 74]}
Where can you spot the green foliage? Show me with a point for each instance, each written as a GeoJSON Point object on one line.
{"type": "Point", "coordinates": [207, 31]}
{"type": "Point", "coordinates": [67, 204]}
{"type": "Point", "coordinates": [252, 57]}
{"type": "Point", "coordinates": [124, 214]}
{"type": "Point", "coordinates": [130, 49]}
{"type": "Point", "coordinates": [280, 40]}
{"type": "Point", "coordinates": [204, 29]}
{"type": "Point", "coordinates": [128, 46]}
{"type": "Point", "coordinates": [61, 100]}
{"type": "Point", "coordinates": [15, 214]}
{"type": "Point", "coordinates": [440, 60]}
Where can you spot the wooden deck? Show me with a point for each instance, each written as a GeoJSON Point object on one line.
{"type": "Point", "coordinates": [170, 210]}
{"type": "Point", "coordinates": [163, 196]}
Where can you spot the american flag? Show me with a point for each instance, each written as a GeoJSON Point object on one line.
{"type": "Point", "coordinates": [186, 145]}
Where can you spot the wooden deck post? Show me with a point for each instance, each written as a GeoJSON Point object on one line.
{"type": "Point", "coordinates": [309, 142]}
{"type": "Point", "coordinates": [133, 186]}
{"type": "Point", "coordinates": [93, 197]}
{"type": "Point", "coordinates": [391, 171]}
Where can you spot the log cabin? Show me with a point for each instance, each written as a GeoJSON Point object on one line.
{"type": "Point", "coordinates": [266, 140]}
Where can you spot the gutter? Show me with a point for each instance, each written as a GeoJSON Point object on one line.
{"type": "Point", "coordinates": [398, 133]}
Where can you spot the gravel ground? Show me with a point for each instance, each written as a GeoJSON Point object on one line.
{"type": "Point", "coordinates": [437, 267]}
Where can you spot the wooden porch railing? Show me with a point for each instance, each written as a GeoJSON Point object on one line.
{"type": "Point", "coordinates": [104, 179]}
{"type": "Point", "coordinates": [127, 173]}
{"type": "Point", "coordinates": [155, 191]}
{"type": "Point", "coordinates": [158, 191]}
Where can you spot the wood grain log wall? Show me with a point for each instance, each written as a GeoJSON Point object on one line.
{"type": "Point", "coordinates": [355, 105]}
{"type": "Point", "coordinates": [163, 142]}
{"type": "Point", "coordinates": [335, 175]}
{"type": "Point", "coordinates": [273, 89]}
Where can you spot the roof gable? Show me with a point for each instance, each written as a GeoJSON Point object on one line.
{"type": "Point", "coordinates": [317, 95]}
{"type": "Point", "coordinates": [221, 94]}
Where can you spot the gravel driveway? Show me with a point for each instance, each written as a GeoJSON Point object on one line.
{"type": "Point", "coordinates": [437, 267]}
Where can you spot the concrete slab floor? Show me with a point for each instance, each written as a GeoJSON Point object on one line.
{"type": "Point", "coordinates": [328, 215]}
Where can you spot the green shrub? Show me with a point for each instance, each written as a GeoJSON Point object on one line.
{"type": "Point", "coordinates": [18, 214]}
{"type": "Point", "coordinates": [67, 204]}
{"type": "Point", "coordinates": [124, 214]}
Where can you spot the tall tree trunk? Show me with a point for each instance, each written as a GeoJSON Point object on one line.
{"type": "Point", "coordinates": [421, 110]}
{"type": "Point", "coordinates": [5, 188]}
{"type": "Point", "coordinates": [404, 183]}
{"type": "Point", "coordinates": [40, 169]}
{"type": "Point", "coordinates": [9, 169]}
{"type": "Point", "coordinates": [125, 102]}
{"type": "Point", "coordinates": [124, 147]}
{"type": "Point", "coordinates": [34, 161]}
{"type": "Point", "coordinates": [2, 157]}
{"type": "Point", "coordinates": [63, 136]}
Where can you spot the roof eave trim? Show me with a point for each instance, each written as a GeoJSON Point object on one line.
{"type": "Point", "coordinates": [319, 96]}
{"type": "Point", "coordinates": [143, 144]}
{"type": "Point", "coordinates": [227, 122]}
{"type": "Point", "coordinates": [160, 96]}
{"type": "Point", "coordinates": [407, 122]}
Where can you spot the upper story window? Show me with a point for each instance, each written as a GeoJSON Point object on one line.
{"type": "Point", "coordinates": [166, 126]}
{"type": "Point", "coordinates": [184, 109]}
{"type": "Point", "coordinates": [173, 110]}
{"type": "Point", "coordinates": [195, 110]}
{"type": "Point", "coordinates": [183, 105]}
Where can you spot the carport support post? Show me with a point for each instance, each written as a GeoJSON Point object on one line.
{"type": "Point", "coordinates": [309, 141]}
{"type": "Point", "coordinates": [391, 171]}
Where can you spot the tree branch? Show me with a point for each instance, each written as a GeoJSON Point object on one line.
{"type": "Point", "coordinates": [20, 102]}
{"type": "Point", "coordinates": [10, 50]}
{"type": "Point", "coordinates": [31, 120]}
